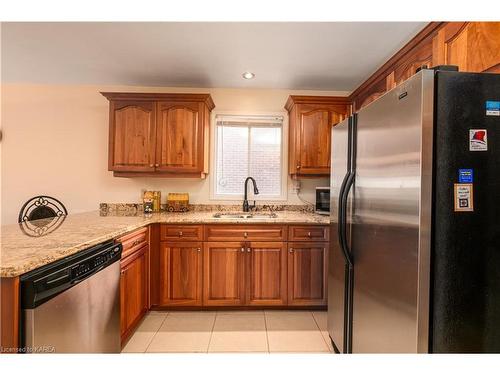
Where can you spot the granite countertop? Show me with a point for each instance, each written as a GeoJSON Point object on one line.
{"type": "Point", "coordinates": [22, 250]}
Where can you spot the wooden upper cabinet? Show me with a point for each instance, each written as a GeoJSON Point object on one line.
{"type": "Point", "coordinates": [310, 122]}
{"type": "Point", "coordinates": [179, 137]}
{"type": "Point", "coordinates": [132, 136]}
{"type": "Point", "coordinates": [472, 46]}
{"type": "Point", "coordinates": [159, 135]}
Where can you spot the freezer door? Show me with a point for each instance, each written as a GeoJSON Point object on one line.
{"type": "Point", "coordinates": [336, 262]}
{"type": "Point", "coordinates": [466, 257]}
{"type": "Point", "coordinates": [391, 220]}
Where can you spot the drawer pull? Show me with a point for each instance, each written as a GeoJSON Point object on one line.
{"type": "Point", "coordinates": [242, 249]}
{"type": "Point", "coordinates": [180, 234]}
{"type": "Point", "coordinates": [151, 165]}
{"type": "Point", "coordinates": [245, 234]}
{"type": "Point", "coordinates": [308, 234]}
{"type": "Point", "coordinates": [198, 249]}
{"type": "Point", "coordinates": [290, 250]}
{"type": "Point", "coordinates": [157, 165]}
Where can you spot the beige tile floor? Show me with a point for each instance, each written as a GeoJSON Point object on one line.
{"type": "Point", "coordinates": [231, 332]}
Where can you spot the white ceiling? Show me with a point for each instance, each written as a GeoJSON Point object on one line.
{"type": "Point", "coordinates": [320, 56]}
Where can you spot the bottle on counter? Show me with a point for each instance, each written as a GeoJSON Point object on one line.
{"type": "Point", "coordinates": [156, 201]}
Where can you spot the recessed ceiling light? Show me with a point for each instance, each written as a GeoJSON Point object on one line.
{"type": "Point", "coordinates": [248, 75]}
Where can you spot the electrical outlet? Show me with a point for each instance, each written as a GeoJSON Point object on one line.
{"type": "Point", "coordinates": [296, 186]}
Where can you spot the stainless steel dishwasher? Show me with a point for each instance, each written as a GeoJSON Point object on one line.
{"type": "Point", "coordinates": [73, 305]}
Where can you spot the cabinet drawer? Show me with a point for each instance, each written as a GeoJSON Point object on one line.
{"type": "Point", "coordinates": [308, 233]}
{"type": "Point", "coordinates": [184, 232]}
{"type": "Point", "coordinates": [245, 232]}
{"type": "Point", "coordinates": [134, 241]}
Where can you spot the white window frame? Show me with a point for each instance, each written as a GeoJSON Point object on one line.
{"type": "Point", "coordinates": [284, 160]}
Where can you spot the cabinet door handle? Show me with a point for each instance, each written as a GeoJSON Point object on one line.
{"type": "Point", "coordinates": [291, 250]}
{"type": "Point", "coordinates": [198, 249]}
{"type": "Point", "coordinates": [122, 272]}
{"type": "Point", "coordinates": [242, 249]}
{"type": "Point", "coordinates": [245, 234]}
{"type": "Point", "coordinates": [151, 165]}
{"type": "Point", "coordinates": [157, 165]}
{"type": "Point", "coordinates": [180, 234]}
{"type": "Point", "coordinates": [308, 234]}
{"type": "Point", "coordinates": [298, 166]}
{"type": "Point", "coordinates": [249, 249]}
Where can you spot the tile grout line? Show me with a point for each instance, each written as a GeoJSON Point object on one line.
{"type": "Point", "coordinates": [158, 330]}
{"type": "Point", "coordinates": [267, 336]}
{"type": "Point", "coordinates": [320, 332]}
{"type": "Point", "coordinates": [212, 331]}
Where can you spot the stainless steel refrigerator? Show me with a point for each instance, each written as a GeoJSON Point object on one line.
{"type": "Point", "coordinates": [414, 264]}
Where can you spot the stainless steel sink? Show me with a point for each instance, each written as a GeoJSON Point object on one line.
{"type": "Point", "coordinates": [244, 215]}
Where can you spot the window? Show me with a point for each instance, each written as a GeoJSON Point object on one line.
{"type": "Point", "coordinates": [249, 146]}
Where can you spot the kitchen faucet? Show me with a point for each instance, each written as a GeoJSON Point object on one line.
{"type": "Point", "coordinates": [246, 206]}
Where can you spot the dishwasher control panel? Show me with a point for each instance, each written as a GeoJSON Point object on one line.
{"type": "Point", "coordinates": [42, 284]}
{"type": "Point", "coordinates": [94, 263]}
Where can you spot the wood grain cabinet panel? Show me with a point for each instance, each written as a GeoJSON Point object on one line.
{"type": "Point", "coordinates": [267, 269]}
{"type": "Point", "coordinates": [134, 241]}
{"type": "Point", "coordinates": [223, 274]}
{"type": "Point", "coordinates": [133, 290]}
{"type": "Point", "coordinates": [249, 232]}
{"type": "Point", "coordinates": [181, 232]}
{"type": "Point", "coordinates": [473, 46]}
{"type": "Point", "coordinates": [179, 137]}
{"type": "Point", "coordinates": [181, 273]}
{"type": "Point", "coordinates": [310, 124]}
{"type": "Point", "coordinates": [308, 233]}
{"type": "Point", "coordinates": [159, 134]}
{"type": "Point", "coordinates": [307, 273]}
{"type": "Point", "coordinates": [132, 136]}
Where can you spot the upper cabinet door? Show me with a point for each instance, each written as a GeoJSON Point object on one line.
{"type": "Point", "coordinates": [314, 147]}
{"type": "Point", "coordinates": [131, 136]}
{"type": "Point", "coordinates": [310, 124]}
{"type": "Point", "coordinates": [179, 137]}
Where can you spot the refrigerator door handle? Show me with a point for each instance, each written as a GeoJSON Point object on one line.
{"type": "Point", "coordinates": [343, 236]}
{"type": "Point", "coordinates": [341, 219]}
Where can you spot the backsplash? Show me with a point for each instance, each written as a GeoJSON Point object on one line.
{"type": "Point", "coordinates": [106, 208]}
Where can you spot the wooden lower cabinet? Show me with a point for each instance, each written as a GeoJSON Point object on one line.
{"type": "Point", "coordinates": [244, 273]}
{"type": "Point", "coordinates": [307, 273]}
{"type": "Point", "coordinates": [133, 290]}
{"type": "Point", "coordinates": [233, 273]}
{"type": "Point", "coordinates": [223, 274]}
{"type": "Point", "coordinates": [266, 281]}
{"type": "Point", "coordinates": [181, 273]}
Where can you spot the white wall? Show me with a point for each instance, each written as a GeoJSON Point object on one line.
{"type": "Point", "coordinates": [55, 143]}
